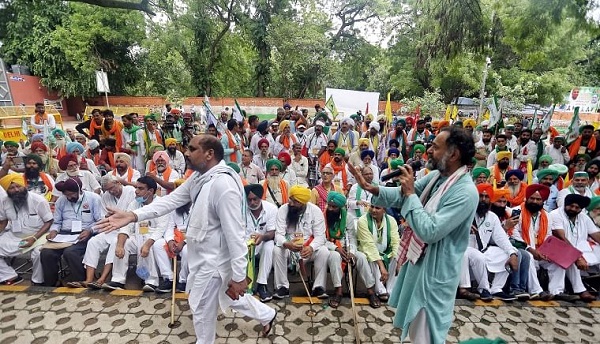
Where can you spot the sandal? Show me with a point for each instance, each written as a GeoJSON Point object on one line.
{"type": "Point", "coordinates": [76, 285]}
{"type": "Point", "coordinates": [374, 301]}
{"type": "Point", "coordinates": [335, 300]}
{"type": "Point", "coordinates": [384, 297]}
{"type": "Point", "coordinates": [268, 327]}
{"type": "Point", "coordinates": [94, 285]}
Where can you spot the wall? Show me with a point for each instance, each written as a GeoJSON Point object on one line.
{"type": "Point", "coordinates": [27, 90]}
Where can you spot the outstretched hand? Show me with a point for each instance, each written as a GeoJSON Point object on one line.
{"type": "Point", "coordinates": [115, 219]}
{"type": "Point", "coordinates": [361, 180]}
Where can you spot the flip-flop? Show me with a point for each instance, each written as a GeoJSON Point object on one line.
{"type": "Point", "coordinates": [266, 330]}
{"type": "Point", "coordinates": [384, 297]}
{"type": "Point", "coordinates": [94, 285]}
{"type": "Point", "coordinates": [75, 284]}
{"type": "Point", "coordinates": [334, 301]}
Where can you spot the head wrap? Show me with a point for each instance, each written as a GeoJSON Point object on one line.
{"type": "Point", "coordinates": [583, 156]}
{"type": "Point", "coordinates": [73, 146]}
{"type": "Point", "coordinates": [170, 141]}
{"type": "Point", "coordinates": [38, 145]}
{"type": "Point", "coordinates": [59, 132]}
{"type": "Point", "coordinates": [234, 166]}
{"type": "Point", "coordinates": [499, 193]}
{"type": "Point", "coordinates": [393, 151]}
{"type": "Point", "coordinates": [301, 126]}
{"type": "Point", "coordinates": [458, 124]}
{"type": "Point", "coordinates": [161, 154]}
{"type": "Point", "coordinates": [486, 123]}
{"type": "Point", "coordinates": [401, 121]}
{"type": "Point", "coordinates": [479, 170]}
{"type": "Point", "coordinates": [11, 144]}
{"type": "Point", "coordinates": [363, 140]}
{"type": "Point", "coordinates": [419, 147]}
{"type": "Point", "coordinates": [72, 184]}
{"type": "Point", "coordinates": [502, 155]}
{"type": "Point", "coordinates": [374, 125]}
{"type": "Point", "coordinates": [11, 178]}
{"type": "Point", "coordinates": [435, 123]}
{"type": "Point", "coordinates": [443, 124]}
{"type": "Point", "coordinates": [262, 126]}
{"type": "Point", "coordinates": [339, 151]}
{"type": "Point", "coordinates": [581, 174]}
{"type": "Point", "coordinates": [347, 120]}
{"type": "Point", "coordinates": [469, 122]}
{"type": "Point", "coordinates": [300, 193]}
{"type": "Point", "coordinates": [287, 106]}
{"type": "Point", "coordinates": [37, 137]}
{"type": "Point", "coordinates": [547, 172]}
{"type": "Point", "coordinates": [123, 156]}
{"type": "Point", "coordinates": [593, 162]}
{"type": "Point", "coordinates": [286, 157]}
{"type": "Point", "coordinates": [547, 158]}
{"type": "Point", "coordinates": [487, 188]}
{"type": "Point", "coordinates": [150, 117]}
{"type": "Point", "coordinates": [336, 198]}
{"type": "Point", "coordinates": [369, 117]}
{"type": "Point", "coordinates": [584, 127]}
{"type": "Point", "coordinates": [263, 141]}
{"type": "Point", "coordinates": [542, 189]}
{"type": "Point", "coordinates": [594, 203]}
{"type": "Point", "coordinates": [256, 189]}
{"type": "Point", "coordinates": [396, 163]}
{"type": "Point", "coordinates": [510, 126]}
{"type": "Point", "coordinates": [274, 162]}
{"type": "Point", "coordinates": [319, 124]}
{"type": "Point", "coordinates": [36, 158]}
{"type": "Point", "coordinates": [517, 173]}
{"type": "Point", "coordinates": [64, 161]}
{"type": "Point", "coordinates": [560, 168]}
{"type": "Point", "coordinates": [93, 144]}
{"type": "Point", "coordinates": [410, 121]}
{"type": "Point", "coordinates": [366, 153]}
{"type": "Point", "coordinates": [284, 124]}
{"type": "Point", "coordinates": [581, 201]}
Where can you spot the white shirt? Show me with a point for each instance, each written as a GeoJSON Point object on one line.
{"type": "Point", "coordinates": [135, 175]}
{"type": "Point", "coordinates": [51, 122]}
{"type": "Point", "coordinates": [127, 197]}
{"type": "Point", "coordinates": [358, 210]}
{"type": "Point", "coordinates": [265, 222]}
{"type": "Point", "coordinates": [178, 162]}
{"type": "Point", "coordinates": [301, 170]}
{"type": "Point", "coordinates": [310, 223]}
{"type": "Point", "coordinates": [557, 156]}
{"type": "Point", "coordinates": [153, 228]}
{"type": "Point", "coordinates": [562, 194]}
{"type": "Point", "coordinates": [576, 233]}
{"type": "Point", "coordinates": [314, 143]}
{"type": "Point", "coordinates": [533, 230]}
{"type": "Point", "coordinates": [28, 219]}
{"type": "Point", "coordinates": [252, 173]}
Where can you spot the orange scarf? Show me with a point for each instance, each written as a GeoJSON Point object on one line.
{"type": "Point", "coordinates": [40, 120]}
{"type": "Point", "coordinates": [111, 158]}
{"type": "Point", "coordinates": [115, 132]}
{"type": "Point", "coordinates": [285, 140]}
{"type": "Point", "coordinates": [340, 168]}
{"type": "Point", "coordinates": [232, 144]}
{"type": "Point", "coordinates": [325, 159]}
{"type": "Point", "coordinates": [526, 223]}
{"type": "Point", "coordinates": [574, 148]}
{"type": "Point", "coordinates": [94, 127]}
{"type": "Point", "coordinates": [60, 152]}
{"type": "Point", "coordinates": [282, 187]}
{"type": "Point", "coordinates": [165, 176]}
{"type": "Point", "coordinates": [94, 157]}
{"type": "Point", "coordinates": [188, 173]}
{"type": "Point", "coordinates": [129, 173]}
{"type": "Point", "coordinates": [498, 174]}
{"type": "Point", "coordinates": [519, 197]}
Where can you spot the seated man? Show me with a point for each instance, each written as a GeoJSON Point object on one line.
{"type": "Point", "coordinates": [274, 186]}
{"type": "Point", "coordinates": [341, 241]}
{"type": "Point", "coordinates": [163, 174]}
{"type": "Point", "coordinates": [359, 199]}
{"type": "Point", "coordinates": [573, 226]}
{"type": "Point", "coordinates": [75, 214]}
{"type": "Point", "coordinates": [116, 196]}
{"type": "Point", "coordinates": [300, 232]}
{"type": "Point", "coordinates": [70, 166]}
{"type": "Point", "coordinates": [318, 195]}
{"type": "Point", "coordinates": [138, 238]}
{"type": "Point", "coordinates": [123, 170]}
{"type": "Point", "coordinates": [516, 186]}
{"type": "Point", "coordinates": [378, 241]}
{"type": "Point", "coordinates": [30, 218]}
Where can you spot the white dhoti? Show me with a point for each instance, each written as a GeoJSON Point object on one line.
{"type": "Point", "coordinates": [9, 247]}
{"type": "Point", "coordinates": [364, 269]}
{"type": "Point", "coordinates": [418, 331]}
{"type": "Point", "coordinates": [163, 262]}
{"type": "Point", "coordinates": [133, 245]}
{"type": "Point", "coordinates": [473, 263]}
{"type": "Point", "coordinates": [280, 258]}
{"type": "Point", "coordinates": [98, 244]}
{"type": "Point", "coordinates": [557, 275]}
{"type": "Point", "coordinates": [204, 304]}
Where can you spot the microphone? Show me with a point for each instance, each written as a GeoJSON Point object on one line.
{"type": "Point", "coordinates": [391, 175]}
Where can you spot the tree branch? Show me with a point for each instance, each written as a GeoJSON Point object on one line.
{"type": "Point", "coordinates": [143, 5]}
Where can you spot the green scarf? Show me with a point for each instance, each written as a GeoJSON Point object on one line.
{"type": "Point", "coordinates": [131, 131]}
{"type": "Point", "coordinates": [339, 228]}
{"type": "Point", "coordinates": [385, 256]}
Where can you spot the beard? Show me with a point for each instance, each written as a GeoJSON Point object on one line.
{"type": "Point", "coordinates": [61, 142]}
{"type": "Point", "coordinates": [171, 150]}
{"type": "Point", "coordinates": [592, 174]}
{"type": "Point", "coordinates": [503, 165]}
{"type": "Point", "coordinates": [486, 141]}
{"type": "Point", "coordinates": [571, 213]}
{"type": "Point", "coordinates": [440, 165]}
{"type": "Point", "coordinates": [293, 215]}
{"type": "Point", "coordinates": [580, 189]}
{"type": "Point", "coordinates": [73, 173]}
{"type": "Point", "coordinates": [524, 141]}
{"type": "Point", "coordinates": [19, 198]}
{"type": "Point", "coordinates": [482, 208]}
{"type": "Point", "coordinates": [332, 217]}
{"type": "Point", "coordinates": [533, 207]}
{"type": "Point", "coordinates": [498, 210]}
{"type": "Point", "coordinates": [273, 182]}
{"type": "Point", "coordinates": [514, 189]}
{"type": "Point", "coordinates": [31, 173]}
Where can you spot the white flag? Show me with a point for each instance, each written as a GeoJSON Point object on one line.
{"type": "Point", "coordinates": [495, 112]}
{"type": "Point", "coordinates": [546, 121]}
{"type": "Point", "coordinates": [573, 130]}
{"type": "Point", "coordinates": [237, 112]}
{"type": "Point", "coordinates": [210, 116]}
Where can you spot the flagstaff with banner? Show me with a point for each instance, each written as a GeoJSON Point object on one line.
{"type": "Point", "coordinates": [573, 130]}
{"type": "Point", "coordinates": [102, 84]}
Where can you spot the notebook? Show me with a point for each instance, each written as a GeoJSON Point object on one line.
{"type": "Point", "coordinates": [559, 252]}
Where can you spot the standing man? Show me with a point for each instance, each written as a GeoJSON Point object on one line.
{"type": "Point", "coordinates": [133, 143]}
{"type": "Point", "coordinates": [41, 120]}
{"type": "Point", "coordinates": [216, 248]}
{"type": "Point", "coordinates": [439, 209]}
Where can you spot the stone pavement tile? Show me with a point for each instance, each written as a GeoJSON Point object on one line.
{"type": "Point", "coordinates": [550, 332]}
{"type": "Point", "coordinates": [376, 334]}
{"type": "Point", "coordinates": [472, 313]}
{"type": "Point", "coordinates": [333, 331]}
{"type": "Point", "coordinates": [274, 340]}
{"type": "Point", "coordinates": [91, 305]}
{"type": "Point", "coordinates": [151, 338]}
{"type": "Point", "coordinates": [130, 324]}
{"type": "Point", "coordinates": [470, 331]}
{"type": "Point", "coordinates": [115, 338]}
{"type": "Point", "coordinates": [581, 315]}
{"type": "Point", "coordinates": [20, 300]}
{"type": "Point", "coordinates": [92, 337]}
{"type": "Point", "coordinates": [156, 324]}
{"type": "Point", "coordinates": [589, 334]}
{"type": "Point", "coordinates": [79, 321]}
{"type": "Point", "coordinates": [29, 337]}
{"type": "Point", "coordinates": [185, 330]}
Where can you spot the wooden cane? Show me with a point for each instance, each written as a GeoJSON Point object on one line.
{"type": "Point", "coordinates": [174, 289]}
{"type": "Point", "coordinates": [351, 285]}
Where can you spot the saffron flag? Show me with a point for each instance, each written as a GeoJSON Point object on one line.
{"type": "Point", "coordinates": [455, 112]}
{"type": "Point", "coordinates": [573, 130]}
{"type": "Point", "coordinates": [448, 113]}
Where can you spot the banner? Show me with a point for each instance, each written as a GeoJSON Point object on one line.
{"type": "Point", "coordinates": [586, 98]}
{"type": "Point", "coordinates": [348, 102]}
{"type": "Point", "coordinates": [102, 82]}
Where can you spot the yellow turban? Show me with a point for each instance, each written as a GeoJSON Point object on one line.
{"type": "Point", "coordinates": [170, 141]}
{"type": "Point", "coordinates": [11, 178]}
{"type": "Point", "coordinates": [283, 124]}
{"type": "Point", "coordinates": [178, 182]}
{"type": "Point", "coordinates": [502, 155]}
{"type": "Point", "coordinates": [470, 123]}
{"type": "Point", "coordinates": [363, 140]}
{"type": "Point", "coordinates": [299, 193]}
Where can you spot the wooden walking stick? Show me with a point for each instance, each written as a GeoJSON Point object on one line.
{"type": "Point", "coordinates": [173, 323]}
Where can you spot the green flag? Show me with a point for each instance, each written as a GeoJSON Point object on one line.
{"type": "Point", "coordinates": [495, 112]}
{"type": "Point", "coordinates": [547, 119]}
{"type": "Point", "coordinates": [238, 115]}
{"type": "Point", "coordinates": [573, 130]}
{"type": "Point", "coordinates": [330, 105]}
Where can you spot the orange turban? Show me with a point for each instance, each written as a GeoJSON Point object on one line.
{"type": "Point", "coordinates": [487, 188]}
{"type": "Point", "coordinates": [499, 193]}
{"type": "Point", "coordinates": [443, 124]}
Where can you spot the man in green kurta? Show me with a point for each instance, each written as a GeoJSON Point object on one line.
{"type": "Point", "coordinates": [439, 209]}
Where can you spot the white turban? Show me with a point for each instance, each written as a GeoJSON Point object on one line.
{"type": "Point", "coordinates": [348, 120]}
{"type": "Point", "coordinates": [374, 125]}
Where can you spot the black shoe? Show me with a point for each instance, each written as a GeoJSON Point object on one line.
{"type": "Point", "coordinates": [319, 293]}
{"type": "Point", "coordinates": [180, 287]}
{"type": "Point", "coordinates": [282, 293]}
{"type": "Point", "coordinates": [263, 293]}
{"type": "Point", "coordinates": [113, 286]}
{"type": "Point", "coordinates": [13, 281]}
{"type": "Point", "coordinates": [485, 296]}
{"type": "Point", "coordinates": [149, 288]}
{"type": "Point", "coordinates": [566, 297]}
{"type": "Point", "coordinates": [504, 296]}
{"type": "Point", "coordinates": [521, 295]}
{"type": "Point", "coordinates": [165, 287]}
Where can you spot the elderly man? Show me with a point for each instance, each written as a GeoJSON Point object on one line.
{"type": "Point", "coordinates": [363, 146]}
{"type": "Point", "coordinates": [299, 165]}
{"type": "Point", "coordinates": [249, 170]}
{"type": "Point", "coordinates": [262, 132]}
{"type": "Point", "coordinates": [123, 170]}
{"type": "Point", "coordinates": [571, 225]}
{"type": "Point", "coordinates": [287, 173]}
{"type": "Point", "coordinates": [260, 227]}
{"type": "Point", "coordinates": [35, 181]}
{"type": "Point", "coordinates": [341, 177]}
{"type": "Point", "coordinates": [84, 162]}
{"type": "Point", "coordinates": [579, 185]}
{"type": "Point", "coordinates": [70, 165]}
{"type": "Point", "coordinates": [543, 163]}
{"type": "Point", "coordinates": [359, 200]}
{"type": "Point", "coordinates": [427, 283]}
{"type": "Point", "coordinates": [260, 159]}
{"type": "Point", "coordinates": [346, 138]}
{"type": "Point", "coordinates": [548, 177]}
{"type": "Point", "coordinates": [30, 218]}
{"type": "Point", "coordinates": [176, 158]}
{"type": "Point", "coordinates": [584, 144]}
{"type": "Point", "coordinates": [76, 212]}
{"type": "Point", "coordinates": [115, 196]}
{"type": "Point", "coordinates": [316, 143]}
{"type": "Point", "coordinates": [368, 159]}
{"type": "Point", "coordinates": [275, 188]}
{"type": "Point", "coordinates": [232, 142]}
{"type": "Point", "coordinates": [50, 164]}
{"type": "Point", "coordinates": [12, 150]}
{"type": "Point", "coordinates": [139, 238]}
{"type": "Point", "coordinates": [163, 174]}
{"type": "Point", "coordinates": [285, 140]}
{"type": "Point", "coordinates": [480, 175]}
{"type": "Point", "coordinates": [300, 232]}
{"type": "Point", "coordinates": [375, 139]}
{"type": "Point", "coordinates": [516, 186]}
{"type": "Point", "coordinates": [318, 195]}
{"type": "Point", "coordinates": [500, 168]}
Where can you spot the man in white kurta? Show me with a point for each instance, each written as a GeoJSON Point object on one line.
{"type": "Point", "coordinates": [359, 199]}
{"type": "Point", "coordinates": [579, 185]}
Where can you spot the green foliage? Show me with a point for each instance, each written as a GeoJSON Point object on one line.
{"type": "Point", "coordinates": [431, 103]}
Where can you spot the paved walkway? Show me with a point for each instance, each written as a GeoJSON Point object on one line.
{"type": "Point", "coordinates": [46, 315]}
